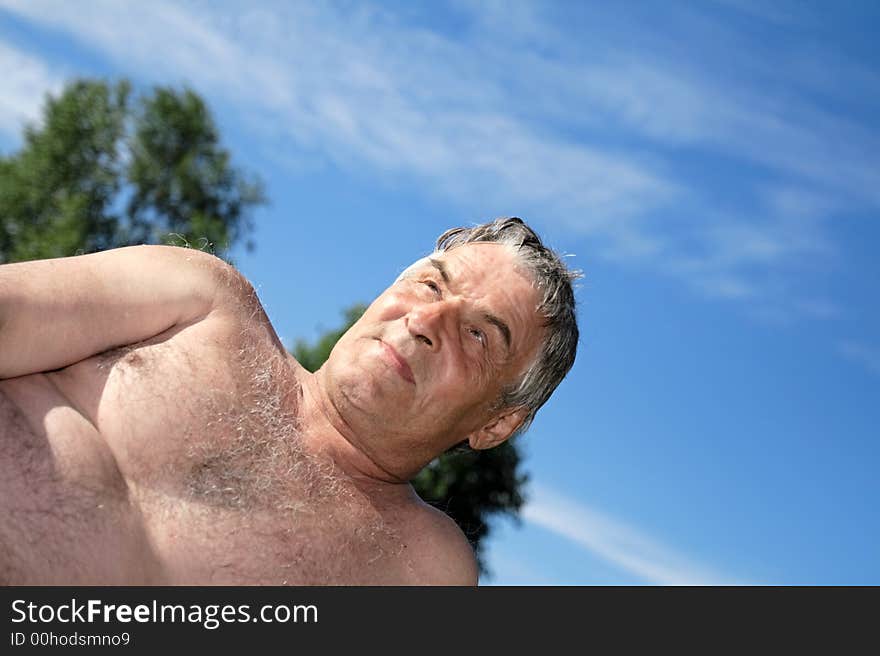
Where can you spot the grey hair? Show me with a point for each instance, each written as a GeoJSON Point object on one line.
{"type": "Point", "coordinates": [553, 279]}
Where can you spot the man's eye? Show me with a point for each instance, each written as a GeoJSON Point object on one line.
{"type": "Point", "coordinates": [479, 335]}
{"type": "Point", "coordinates": [432, 285]}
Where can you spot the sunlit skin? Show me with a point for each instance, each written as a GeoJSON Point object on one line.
{"type": "Point", "coordinates": [160, 411]}
{"type": "Point", "coordinates": [386, 420]}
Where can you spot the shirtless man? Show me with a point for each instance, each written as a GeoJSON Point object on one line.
{"type": "Point", "coordinates": [154, 430]}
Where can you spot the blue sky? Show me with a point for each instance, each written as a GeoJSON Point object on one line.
{"type": "Point", "coordinates": [712, 167]}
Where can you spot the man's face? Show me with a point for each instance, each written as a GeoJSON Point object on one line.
{"type": "Point", "coordinates": [430, 356]}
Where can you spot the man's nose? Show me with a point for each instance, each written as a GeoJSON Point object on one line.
{"type": "Point", "coordinates": [429, 323]}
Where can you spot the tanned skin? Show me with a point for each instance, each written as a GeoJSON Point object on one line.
{"type": "Point", "coordinates": [154, 430]}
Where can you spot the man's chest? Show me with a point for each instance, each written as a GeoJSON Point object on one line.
{"type": "Point", "coordinates": [206, 433]}
{"type": "Point", "coordinates": [187, 405]}
{"type": "Point", "coordinates": [302, 544]}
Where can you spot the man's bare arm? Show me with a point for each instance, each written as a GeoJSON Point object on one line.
{"type": "Point", "coordinates": [56, 312]}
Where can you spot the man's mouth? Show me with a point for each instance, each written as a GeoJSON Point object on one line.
{"type": "Point", "coordinates": [397, 362]}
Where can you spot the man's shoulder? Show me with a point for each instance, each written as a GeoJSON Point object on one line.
{"type": "Point", "coordinates": [438, 551]}
{"type": "Point", "coordinates": [237, 309]}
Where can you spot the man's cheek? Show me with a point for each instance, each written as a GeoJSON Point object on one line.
{"type": "Point", "coordinates": [388, 308]}
{"type": "Point", "coordinates": [456, 378]}
{"type": "Point", "coordinates": [461, 368]}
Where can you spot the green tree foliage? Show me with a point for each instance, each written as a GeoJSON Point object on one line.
{"type": "Point", "coordinates": [104, 169]}
{"type": "Point", "coordinates": [470, 486]}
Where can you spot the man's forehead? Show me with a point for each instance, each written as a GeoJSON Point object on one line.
{"type": "Point", "coordinates": [470, 254]}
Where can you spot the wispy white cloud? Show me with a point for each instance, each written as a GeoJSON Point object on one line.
{"type": "Point", "coordinates": [25, 82]}
{"type": "Point", "coordinates": [511, 113]}
{"type": "Point", "coordinates": [364, 91]}
{"type": "Point", "coordinates": [866, 355]}
{"type": "Point", "coordinates": [760, 108]}
{"type": "Point", "coordinates": [615, 542]}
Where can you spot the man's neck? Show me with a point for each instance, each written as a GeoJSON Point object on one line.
{"type": "Point", "coordinates": [328, 432]}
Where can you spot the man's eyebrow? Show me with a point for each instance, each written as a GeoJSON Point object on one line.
{"type": "Point", "coordinates": [498, 323]}
{"type": "Point", "coordinates": [438, 264]}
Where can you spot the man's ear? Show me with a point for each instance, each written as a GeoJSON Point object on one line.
{"type": "Point", "coordinates": [498, 429]}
